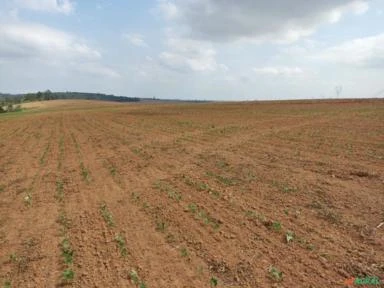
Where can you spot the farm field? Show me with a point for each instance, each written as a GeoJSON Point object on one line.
{"type": "Point", "coordinates": [269, 194]}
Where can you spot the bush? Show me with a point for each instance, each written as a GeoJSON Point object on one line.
{"type": "Point", "coordinates": [10, 108]}
{"type": "Point", "coordinates": [17, 108]}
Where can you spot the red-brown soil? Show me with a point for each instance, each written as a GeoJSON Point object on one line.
{"type": "Point", "coordinates": [182, 195]}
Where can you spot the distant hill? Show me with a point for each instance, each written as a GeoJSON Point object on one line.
{"type": "Point", "coordinates": [48, 95]}
{"type": "Point", "coordinates": [6, 99]}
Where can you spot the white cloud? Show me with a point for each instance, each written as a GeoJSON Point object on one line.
{"type": "Point", "coordinates": [366, 52]}
{"type": "Point", "coordinates": [359, 7]}
{"type": "Point", "coordinates": [279, 71]}
{"type": "Point", "coordinates": [96, 69]}
{"type": "Point", "coordinates": [256, 20]}
{"type": "Point", "coordinates": [189, 55]}
{"type": "Point", "coordinates": [39, 41]}
{"type": "Point", "coordinates": [53, 6]}
{"type": "Point", "coordinates": [13, 14]}
{"type": "Point", "coordinates": [28, 41]}
{"type": "Point", "coordinates": [168, 9]}
{"type": "Point", "coordinates": [136, 39]}
{"type": "Point", "coordinates": [224, 67]}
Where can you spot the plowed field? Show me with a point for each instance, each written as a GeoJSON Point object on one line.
{"type": "Point", "coordinates": [286, 194]}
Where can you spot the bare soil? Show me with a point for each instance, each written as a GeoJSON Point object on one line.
{"type": "Point", "coordinates": [285, 194]}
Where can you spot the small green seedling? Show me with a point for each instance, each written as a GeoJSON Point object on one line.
{"type": "Point", "coordinates": [134, 277]}
{"type": "Point", "coordinates": [84, 173]}
{"type": "Point", "coordinates": [161, 226]}
{"type": "Point", "coordinates": [213, 282]}
{"type": "Point", "coordinates": [121, 243]}
{"type": "Point", "coordinates": [275, 274]}
{"type": "Point", "coordinates": [59, 190]}
{"type": "Point", "coordinates": [135, 197]}
{"type": "Point", "coordinates": [290, 236]}
{"type": "Point", "coordinates": [184, 252]}
{"type": "Point", "coordinates": [106, 215]}
{"type": "Point", "coordinates": [28, 199]}
{"type": "Point", "coordinates": [112, 170]}
{"type": "Point", "coordinates": [136, 280]}
{"type": "Point", "coordinates": [192, 207]}
{"type": "Point", "coordinates": [66, 251]}
{"type": "Point", "coordinates": [13, 257]}
{"type": "Point", "coordinates": [68, 275]}
{"type": "Point", "coordinates": [276, 226]}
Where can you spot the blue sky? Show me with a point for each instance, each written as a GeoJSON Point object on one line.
{"type": "Point", "coordinates": [194, 49]}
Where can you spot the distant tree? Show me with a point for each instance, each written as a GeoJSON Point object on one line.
{"type": "Point", "coordinates": [39, 96]}
{"type": "Point", "coordinates": [17, 108]}
{"type": "Point", "coordinates": [47, 95]}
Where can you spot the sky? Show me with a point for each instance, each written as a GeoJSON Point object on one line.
{"type": "Point", "coordinates": [194, 49]}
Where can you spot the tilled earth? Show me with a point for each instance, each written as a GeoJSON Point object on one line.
{"type": "Point", "coordinates": [274, 194]}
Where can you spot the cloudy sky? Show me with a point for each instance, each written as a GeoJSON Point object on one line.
{"type": "Point", "coordinates": [194, 49]}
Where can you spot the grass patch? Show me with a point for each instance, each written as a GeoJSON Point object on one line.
{"type": "Point", "coordinates": [76, 144]}
{"type": "Point", "coordinates": [169, 189]}
{"type": "Point", "coordinates": [275, 274]}
{"type": "Point", "coordinates": [276, 226]}
{"type": "Point", "coordinates": [135, 197]}
{"type": "Point", "coordinates": [64, 222]}
{"type": "Point", "coordinates": [325, 212]}
{"type": "Point", "coordinates": [254, 215]}
{"type": "Point", "coordinates": [136, 151]}
{"type": "Point", "coordinates": [84, 172]}
{"type": "Point", "coordinates": [203, 215]}
{"type": "Point", "coordinates": [66, 251]}
{"type": "Point", "coordinates": [61, 152]}
{"type": "Point", "coordinates": [213, 282]}
{"type": "Point", "coordinates": [135, 279]}
{"type": "Point", "coordinates": [214, 194]}
{"type": "Point", "coordinates": [68, 275]}
{"type": "Point", "coordinates": [20, 261]}
{"type": "Point", "coordinates": [61, 144]}
{"type": "Point", "coordinates": [141, 153]}
{"type": "Point", "coordinates": [184, 252]}
{"type": "Point", "coordinates": [305, 243]}
{"type": "Point", "coordinates": [284, 187]}
{"type": "Point", "coordinates": [201, 186]}
{"type": "Point", "coordinates": [222, 179]}
{"type": "Point", "coordinates": [222, 164]}
{"type": "Point", "coordinates": [223, 130]}
{"type": "Point", "coordinates": [161, 226]}
{"type": "Point", "coordinates": [273, 225]}
{"type": "Point", "coordinates": [59, 190]}
{"type": "Point", "coordinates": [28, 199]}
{"type": "Point", "coordinates": [289, 236]}
{"type": "Point", "coordinates": [112, 170]}
{"type": "Point", "coordinates": [13, 258]}
{"type": "Point", "coordinates": [121, 244]}
{"type": "Point", "coordinates": [185, 123]}
{"type": "Point", "coordinates": [44, 156]}
{"type": "Point", "coordinates": [7, 284]}
{"type": "Point", "coordinates": [192, 208]}
{"type": "Point", "coordinates": [107, 215]}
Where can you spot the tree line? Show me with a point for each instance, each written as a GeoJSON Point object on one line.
{"type": "Point", "coordinates": [8, 102]}
{"type": "Point", "coordinates": [48, 95]}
